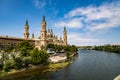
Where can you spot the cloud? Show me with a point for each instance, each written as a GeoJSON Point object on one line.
{"type": "Point", "coordinates": [93, 18]}
{"type": "Point", "coordinates": [80, 11]}
{"type": "Point", "coordinates": [72, 23]}
{"type": "Point", "coordinates": [39, 3]}
{"type": "Point", "coordinates": [77, 39]}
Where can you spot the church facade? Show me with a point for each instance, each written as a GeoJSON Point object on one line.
{"type": "Point", "coordinates": [46, 37]}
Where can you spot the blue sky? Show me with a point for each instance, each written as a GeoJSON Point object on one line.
{"type": "Point", "coordinates": [89, 22]}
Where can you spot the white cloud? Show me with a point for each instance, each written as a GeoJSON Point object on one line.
{"type": "Point", "coordinates": [39, 3]}
{"type": "Point", "coordinates": [77, 39]}
{"type": "Point", "coordinates": [80, 11]}
{"type": "Point", "coordinates": [93, 18]}
{"type": "Point", "coordinates": [72, 23]}
{"type": "Point", "coordinates": [106, 16]}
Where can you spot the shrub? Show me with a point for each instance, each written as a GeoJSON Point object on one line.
{"type": "Point", "coordinates": [26, 61]}
{"type": "Point", "coordinates": [39, 56]}
{"type": "Point", "coordinates": [24, 47]}
{"type": "Point", "coordinates": [7, 66]}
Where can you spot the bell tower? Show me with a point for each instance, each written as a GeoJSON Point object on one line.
{"type": "Point", "coordinates": [65, 36]}
{"type": "Point", "coordinates": [43, 32]}
{"type": "Point", "coordinates": [33, 36]}
{"type": "Point", "coordinates": [26, 30]}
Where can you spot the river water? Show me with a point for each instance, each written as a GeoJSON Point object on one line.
{"type": "Point", "coordinates": [89, 65]}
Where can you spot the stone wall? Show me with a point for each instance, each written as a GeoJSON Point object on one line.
{"type": "Point", "coordinates": [5, 41]}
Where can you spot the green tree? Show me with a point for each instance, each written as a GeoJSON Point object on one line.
{"type": "Point", "coordinates": [26, 61]}
{"type": "Point", "coordinates": [50, 46]}
{"type": "Point", "coordinates": [44, 56]}
{"type": "Point", "coordinates": [4, 57]}
{"type": "Point", "coordinates": [68, 55]}
{"type": "Point", "coordinates": [24, 44]}
{"type": "Point", "coordinates": [36, 56]}
{"type": "Point", "coordinates": [110, 48]}
{"type": "Point", "coordinates": [39, 56]}
{"type": "Point", "coordinates": [17, 62]}
{"type": "Point", "coordinates": [58, 48]}
{"type": "Point", "coordinates": [72, 49]}
{"type": "Point", "coordinates": [24, 52]}
{"type": "Point", "coordinates": [9, 48]}
{"type": "Point", "coordinates": [1, 64]}
{"type": "Point", "coordinates": [7, 65]}
{"type": "Point", "coordinates": [24, 47]}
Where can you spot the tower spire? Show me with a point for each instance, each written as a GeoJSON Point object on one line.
{"type": "Point", "coordinates": [32, 35]}
{"type": "Point", "coordinates": [43, 32]}
{"type": "Point", "coordinates": [65, 36]}
{"type": "Point", "coordinates": [26, 30]}
{"type": "Point", "coordinates": [51, 30]}
{"type": "Point", "coordinates": [26, 21]}
{"type": "Point", "coordinates": [43, 18]}
{"type": "Point", "coordinates": [64, 28]}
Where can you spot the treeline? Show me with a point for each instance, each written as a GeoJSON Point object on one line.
{"type": "Point", "coordinates": [22, 55]}
{"type": "Point", "coordinates": [109, 48]}
{"type": "Point", "coordinates": [68, 50]}
{"type": "Point", "coordinates": [59, 48]}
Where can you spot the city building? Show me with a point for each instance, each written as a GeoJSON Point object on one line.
{"type": "Point", "coordinates": [46, 37]}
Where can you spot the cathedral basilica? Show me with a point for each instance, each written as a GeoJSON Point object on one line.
{"type": "Point", "coordinates": [46, 37]}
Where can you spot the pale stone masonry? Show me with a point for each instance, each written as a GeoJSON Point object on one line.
{"type": "Point", "coordinates": [46, 37]}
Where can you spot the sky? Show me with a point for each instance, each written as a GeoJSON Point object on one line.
{"type": "Point", "coordinates": [88, 22]}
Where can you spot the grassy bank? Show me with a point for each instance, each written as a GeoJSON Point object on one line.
{"type": "Point", "coordinates": [57, 66]}
{"type": "Point", "coordinates": [34, 71]}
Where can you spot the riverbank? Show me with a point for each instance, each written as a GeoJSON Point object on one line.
{"type": "Point", "coordinates": [108, 48]}
{"type": "Point", "coordinates": [41, 69]}
{"type": "Point", "coordinates": [56, 62]}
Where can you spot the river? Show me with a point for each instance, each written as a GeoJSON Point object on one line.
{"type": "Point", "coordinates": [89, 65]}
